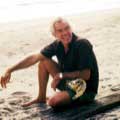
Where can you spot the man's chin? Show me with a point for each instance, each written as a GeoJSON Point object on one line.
{"type": "Point", "coordinates": [67, 41]}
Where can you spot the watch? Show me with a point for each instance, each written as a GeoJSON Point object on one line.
{"type": "Point", "coordinates": [61, 75]}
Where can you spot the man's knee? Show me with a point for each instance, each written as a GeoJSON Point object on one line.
{"type": "Point", "coordinates": [53, 102]}
{"type": "Point", "coordinates": [50, 66]}
{"type": "Point", "coordinates": [59, 99]}
{"type": "Point", "coordinates": [46, 62]}
{"type": "Point", "coordinates": [40, 64]}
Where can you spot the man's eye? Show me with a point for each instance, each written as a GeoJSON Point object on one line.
{"type": "Point", "coordinates": [59, 30]}
{"type": "Point", "coordinates": [67, 28]}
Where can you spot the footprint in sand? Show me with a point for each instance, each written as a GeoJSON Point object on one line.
{"type": "Point", "coordinates": [4, 113]}
{"type": "Point", "coordinates": [8, 109]}
{"type": "Point", "coordinates": [19, 93]}
{"type": "Point", "coordinates": [2, 101]}
{"type": "Point", "coordinates": [116, 88]}
{"type": "Point", "coordinates": [12, 103]}
{"type": "Point", "coordinates": [9, 54]}
{"type": "Point", "coordinates": [19, 97]}
{"type": "Point", "coordinates": [5, 109]}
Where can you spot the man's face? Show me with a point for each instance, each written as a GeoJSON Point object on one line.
{"type": "Point", "coordinates": [63, 32]}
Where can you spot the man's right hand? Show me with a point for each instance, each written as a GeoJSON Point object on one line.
{"type": "Point", "coordinates": [5, 79]}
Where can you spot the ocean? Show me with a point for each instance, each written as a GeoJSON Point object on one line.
{"type": "Point", "coordinates": [16, 10]}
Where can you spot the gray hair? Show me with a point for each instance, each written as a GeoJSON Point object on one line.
{"type": "Point", "coordinates": [57, 20]}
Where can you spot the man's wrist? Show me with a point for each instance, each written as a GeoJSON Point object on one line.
{"type": "Point", "coordinates": [9, 70]}
{"type": "Point", "coordinates": [61, 75]}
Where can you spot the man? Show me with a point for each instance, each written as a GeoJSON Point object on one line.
{"type": "Point", "coordinates": [76, 59]}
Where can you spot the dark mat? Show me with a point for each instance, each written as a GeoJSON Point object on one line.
{"type": "Point", "coordinates": [79, 111]}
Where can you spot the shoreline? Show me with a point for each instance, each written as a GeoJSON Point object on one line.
{"type": "Point", "coordinates": [48, 18]}
{"type": "Point", "coordinates": [20, 10]}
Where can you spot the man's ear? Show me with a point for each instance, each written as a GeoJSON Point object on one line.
{"type": "Point", "coordinates": [54, 34]}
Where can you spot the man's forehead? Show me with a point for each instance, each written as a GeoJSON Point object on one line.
{"type": "Point", "coordinates": [61, 24]}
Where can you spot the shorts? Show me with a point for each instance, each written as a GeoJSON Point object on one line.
{"type": "Point", "coordinates": [86, 97]}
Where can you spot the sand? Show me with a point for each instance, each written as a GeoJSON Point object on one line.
{"type": "Point", "coordinates": [19, 39]}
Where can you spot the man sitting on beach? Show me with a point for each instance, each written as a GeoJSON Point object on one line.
{"type": "Point", "coordinates": [76, 59]}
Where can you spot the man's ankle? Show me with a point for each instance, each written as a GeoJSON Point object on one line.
{"type": "Point", "coordinates": [41, 99]}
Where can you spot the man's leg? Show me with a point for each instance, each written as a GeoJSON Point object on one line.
{"type": "Point", "coordinates": [45, 68]}
{"type": "Point", "coordinates": [59, 99]}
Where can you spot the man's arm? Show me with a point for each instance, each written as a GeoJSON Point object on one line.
{"type": "Point", "coordinates": [27, 62]}
{"type": "Point", "coordinates": [84, 74]}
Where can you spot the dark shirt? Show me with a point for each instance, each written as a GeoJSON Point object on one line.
{"type": "Point", "coordinates": [80, 56]}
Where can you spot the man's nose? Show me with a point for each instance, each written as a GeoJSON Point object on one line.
{"type": "Point", "coordinates": [65, 32]}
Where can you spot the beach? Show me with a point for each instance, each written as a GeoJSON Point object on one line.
{"type": "Point", "coordinates": [21, 38]}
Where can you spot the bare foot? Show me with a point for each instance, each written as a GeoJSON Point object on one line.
{"type": "Point", "coordinates": [35, 101]}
